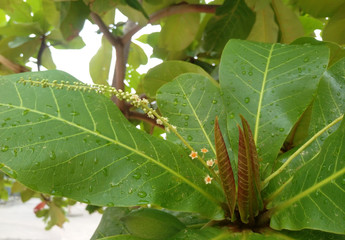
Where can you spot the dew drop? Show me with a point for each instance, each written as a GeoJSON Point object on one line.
{"type": "Point", "coordinates": [299, 70]}
{"type": "Point", "coordinates": [74, 113]}
{"type": "Point", "coordinates": [147, 173]}
{"type": "Point", "coordinates": [137, 176]}
{"type": "Point", "coordinates": [175, 101]}
{"type": "Point", "coordinates": [281, 129]}
{"type": "Point", "coordinates": [37, 164]}
{"type": "Point", "coordinates": [247, 100]}
{"type": "Point", "coordinates": [190, 138]}
{"type": "Point", "coordinates": [105, 171]}
{"type": "Point", "coordinates": [110, 204]}
{"type": "Point", "coordinates": [15, 152]}
{"type": "Point", "coordinates": [184, 104]}
{"type": "Point", "coordinates": [60, 133]}
{"type": "Point", "coordinates": [243, 72]}
{"type": "Point", "coordinates": [25, 112]}
{"type": "Point", "coordinates": [186, 124]}
{"type": "Point", "coordinates": [90, 188]}
{"type": "Point", "coordinates": [41, 137]}
{"type": "Point", "coordinates": [87, 201]}
{"type": "Point", "coordinates": [95, 160]}
{"type": "Point", "coordinates": [113, 185]}
{"type": "Point", "coordinates": [214, 101]}
{"type": "Point", "coordinates": [81, 163]}
{"type": "Point", "coordinates": [250, 73]}
{"type": "Point", "coordinates": [212, 122]}
{"type": "Point", "coordinates": [4, 148]}
{"type": "Point", "coordinates": [186, 117]}
{"type": "Point", "coordinates": [142, 194]}
{"type": "Point", "coordinates": [52, 155]}
{"type": "Point", "coordinates": [306, 59]}
{"type": "Point", "coordinates": [232, 116]}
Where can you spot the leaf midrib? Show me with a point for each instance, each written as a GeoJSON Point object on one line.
{"type": "Point", "coordinates": [205, 194]}
{"type": "Point", "coordinates": [257, 120]}
{"type": "Point", "coordinates": [197, 118]}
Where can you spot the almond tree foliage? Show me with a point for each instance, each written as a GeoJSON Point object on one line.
{"type": "Point", "coordinates": [251, 104]}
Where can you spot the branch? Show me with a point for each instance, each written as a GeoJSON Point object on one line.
{"type": "Point", "coordinates": [16, 68]}
{"type": "Point", "coordinates": [171, 10]}
{"type": "Point", "coordinates": [40, 51]}
{"type": "Point", "coordinates": [144, 117]}
{"type": "Point", "coordinates": [115, 41]}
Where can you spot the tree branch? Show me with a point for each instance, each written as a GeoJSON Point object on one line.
{"type": "Point", "coordinates": [16, 68]}
{"type": "Point", "coordinates": [40, 51]}
{"type": "Point", "coordinates": [115, 41]}
{"type": "Point", "coordinates": [171, 10]}
{"type": "Point", "coordinates": [144, 117]}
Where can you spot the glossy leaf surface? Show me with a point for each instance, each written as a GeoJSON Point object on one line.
{"type": "Point", "coordinates": [79, 145]}
{"type": "Point", "coordinates": [166, 72]}
{"type": "Point", "coordinates": [192, 102]}
{"type": "Point", "coordinates": [315, 196]}
{"type": "Point", "coordinates": [264, 83]}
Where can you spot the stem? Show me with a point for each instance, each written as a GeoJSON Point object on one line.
{"type": "Point", "coordinates": [40, 51]}
{"type": "Point", "coordinates": [16, 68]}
{"type": "Point", "coordinates": [143, 117]}
{"type": "Point", "coordinates": [304, 146]}
{"type": "Point", "coordinates": [171, 10]}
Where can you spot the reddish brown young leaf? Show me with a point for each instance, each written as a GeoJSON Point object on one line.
{"type": "Point", "coordinates": [249, 198]}
{"type": "Point", "coordinates": [225, 170]}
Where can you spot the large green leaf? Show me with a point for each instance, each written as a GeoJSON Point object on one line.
{"type": "Point", "coordinates": [166, 72]}
{"type": "Point", "coordinates": [100, 63]}
{"type": "Point", "coordinates": [233, 20]}
{"type": "Point", "coordinates": [314, 198]}
{"type": "Point", "coordinates": [111, 223]}
{"type": "Point", "coordinates": [319, 8]}
{"type": "Point", "coordinates": [179, 31]}
{"type": "Point", "coordinates": [335, 30]}
{"type": "Point", "coordinates": [289, 24]}
{"type": "Point", "coordinates": [265, 29]}
{"type": "Point", "coordinates": [192, 102]}
{"type": "Point", "coordinates": [136, 56]}
{"type": "Point", "coordinates": [79, 145]}
{"type": "Point", "coordinates": [270, 85]}
{"type": "Point", "coordinates": [327, 106]}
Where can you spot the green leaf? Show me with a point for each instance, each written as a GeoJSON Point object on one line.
{"type": "Point", "coordinates": [265, 28]}
{"type": "Point", "coordinates": [309, 24]}
{"type": "Point", "coordinates": [166, 72]}
{"type": "Point", "coordinates": [73, 21]}
{"type": "Point", "coordinates": [137, 56]}
{"type": "Point", "coordinates": [122, 237]}
{"type": "Point", "coordinates": [314, 197]}
{"type": "Point", "coordinates": [152, 224]}
{"type": "Point", "coordinates": [334, 31]}
{"type": "Point", "coordinates": [192, 102]}
{"type": "Point", "coordinates": [248, 196]}
{"type": "Point", "coordinates": [100, 63]}
{"type": "Point", "coordinates": [49, 134]}
{"type": "Point", "coordinates": [3, 20]}
{"type": "Point", "coordinates": [20, 29]}
{"type": "Point", "coordinates": [18, 10]}
{"type": "Point", "coordinates": [137, 6]}
{"type": "Point", "coordinates": [289, 24]}
{"type": "Point", "coordinates": [179, 31]}
{"type": "Point", "coordinates": [319, 8]}
{"type": "Point", "coordinates": [51, 13]}
{"type": "Point", "coordinates": [233, 20]}
{"type": "Point", "coordinates": [47, 60]}
{"type": "Point", "coordinates": [225, 170]}
{"type": "Point", "coordinates": [111, 224]}
{"type": "Point", "coordinates": [270, 85]}
{"type": "Point", "coordinates": [328, 105]}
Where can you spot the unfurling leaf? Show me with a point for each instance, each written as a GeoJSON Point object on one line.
{"type": "Point", "coordinates": [225, 170]}
{"type": "Point", "coordinates": [249, 198]}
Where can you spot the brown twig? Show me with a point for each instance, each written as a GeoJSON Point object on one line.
{"type": "Point", "coordinates": [16, 68]}
{"type": "Point", "coordinates": [144, 117]}
{"type": "Point", "coordinates": [171, 10]}
{"type": "Point", "coordinates": [40, 51]}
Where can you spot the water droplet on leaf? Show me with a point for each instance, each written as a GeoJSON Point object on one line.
{"type": "Point", "coordinates": [247, 100]}
{"type": "Point", "coordinates": [214, 101]}
{"type": "Point", "coordinates": [142, 194]}
{"type": "Point", "coordinates": [137, 176]}
{"type": "Point", "coordinates": [306, 59]}
{"type": "Point", "coordinates": [4, 148]}
{"type": "Point", "coordinates": [186, 117]}
{"type": "Point", "coordinates": [190, 138]}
